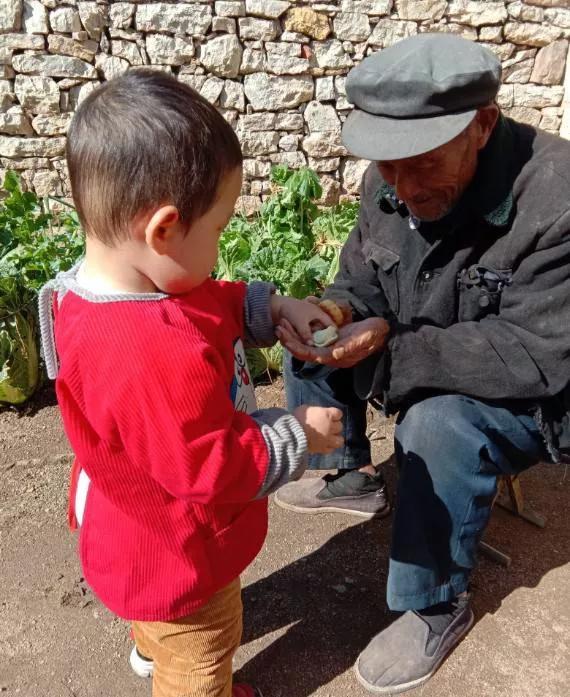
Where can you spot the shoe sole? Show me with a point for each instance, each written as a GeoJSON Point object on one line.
{"type": "Point", "coordinates": [142, 668]}
{"type": "Point", "coordinates": [405, 687]}
{"type": "Point", "coordinates": [145, 669]}
{"type": "Point", "coordinates": [333, 509]}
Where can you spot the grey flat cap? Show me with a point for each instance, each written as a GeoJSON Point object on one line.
{"type": "Point", "coordinates": [417, 95]}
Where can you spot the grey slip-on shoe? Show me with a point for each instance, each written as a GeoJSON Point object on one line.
{"type": "Point", "coordinates": [352, 492]}
{"type": "Point", "coordinates": [406, 654]}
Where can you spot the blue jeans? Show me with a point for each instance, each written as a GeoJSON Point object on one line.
{"type": "Point", "coordinates": [449, 451]}
{"type": "Point", "coordinates": [327, 387]}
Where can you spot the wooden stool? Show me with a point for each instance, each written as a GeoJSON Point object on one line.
{"type": "Point", "coordinates": [510, 497]}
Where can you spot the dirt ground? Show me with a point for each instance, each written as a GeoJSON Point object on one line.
{"type": "Point", "coordinates": [312, 599]}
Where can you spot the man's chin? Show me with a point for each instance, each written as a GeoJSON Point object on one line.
{"type": "Point", "coordinates": [428, 214]}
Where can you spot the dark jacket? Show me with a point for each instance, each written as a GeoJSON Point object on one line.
{"type": "Point", "coordinates": [480, 299]}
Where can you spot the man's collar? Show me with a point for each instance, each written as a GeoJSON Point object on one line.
{"type": "Point", "coordinates": [490, 194]}
{"type": "Point", "coordinates": [388, 202]}
{"type": "Point", "coordinates": [501, 215]}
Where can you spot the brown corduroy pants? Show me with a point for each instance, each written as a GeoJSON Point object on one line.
{"type": "Point", "coordinates": [193, 655]}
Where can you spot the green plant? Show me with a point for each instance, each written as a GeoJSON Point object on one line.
{"type": "Point", "coordinates": [35, 244]}
{"type": "Point", "coordinates": [330, 231]}
{"type": "Point", "coordinates": [290, 242]}
{"type": "Point", "coordinates": [277, 245]}
{"type": "Point", "coordinates": [18, 347]}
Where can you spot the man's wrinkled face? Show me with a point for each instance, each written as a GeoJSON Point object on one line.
{"type": "Point", "coordinates": [432, 183]}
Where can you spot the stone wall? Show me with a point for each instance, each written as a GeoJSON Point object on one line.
{"type": "Point", "coordinates": [275, 68]}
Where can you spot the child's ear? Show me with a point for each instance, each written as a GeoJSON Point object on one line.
{"type": "Point", "coordinates": [162, 228]}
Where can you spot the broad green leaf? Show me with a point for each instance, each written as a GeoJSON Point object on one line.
{"type": "Point", "coordinates": [19, 373]}
{"type": "Point", "coordinates": [35, 245]}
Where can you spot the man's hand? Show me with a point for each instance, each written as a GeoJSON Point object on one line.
{"type": "Point", "coordinates": [302, 316]}
{"type": "Point", "coordinates": [322, 426]}
{"type": "Point", "coordinates": [356, 342]}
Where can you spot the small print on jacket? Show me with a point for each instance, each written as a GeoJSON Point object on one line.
{"type": "Point", "coordinates": [241, 391]}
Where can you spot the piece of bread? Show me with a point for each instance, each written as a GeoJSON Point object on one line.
{"type": "Point", "coordinates": [333, 311]}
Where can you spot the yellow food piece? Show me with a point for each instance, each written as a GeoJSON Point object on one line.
{"type": "Point", "coordinates": [333, 311]}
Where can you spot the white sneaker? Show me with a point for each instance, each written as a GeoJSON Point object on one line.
{"type": "Point", "coordinates": [142, 666]}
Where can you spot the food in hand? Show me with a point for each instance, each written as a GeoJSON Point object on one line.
{"type": "Point", "coordinates": [325, 337]}
{"type": "Point", "coordinates": [333, 311]}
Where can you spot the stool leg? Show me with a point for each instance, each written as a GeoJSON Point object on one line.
{"type": "Point", "coordinates": [512, 500]}
{"type": "Point", "coordinates": [515, 502]}
{"type": "Point", "coordinates": [494, 554]}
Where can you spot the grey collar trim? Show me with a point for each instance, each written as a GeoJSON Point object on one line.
{"type": "Point", "coordinates": [67, 281]}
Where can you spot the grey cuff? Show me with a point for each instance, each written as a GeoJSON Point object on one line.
{"type": "Point", "coordinates": [259, 329]}
{"type": "Point", "coordinates": [286, 445]}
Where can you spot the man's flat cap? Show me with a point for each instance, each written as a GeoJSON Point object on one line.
{"type": "Point", "coordinates": [417, 95]}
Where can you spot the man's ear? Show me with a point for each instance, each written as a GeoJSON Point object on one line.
{"type": "Point", "coordinates": [486, 120]}
{"type": "Point", "coordinates": [161, 228]}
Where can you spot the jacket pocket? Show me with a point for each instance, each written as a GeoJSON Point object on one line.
{"type": "Point", "coordinates": [480, 290]}
{"type": "Point", "coordinates": [386, 264]}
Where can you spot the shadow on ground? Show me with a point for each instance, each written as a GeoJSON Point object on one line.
{"type": "Point", "coordinates": [313, 598]}
{"type": "Point", "coordinates": [333, 614]}
{"type": "Point", "coordinates": [324, 607]}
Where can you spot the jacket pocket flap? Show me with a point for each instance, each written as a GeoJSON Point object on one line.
{"type": "Point", "coordinates": [385, 258]}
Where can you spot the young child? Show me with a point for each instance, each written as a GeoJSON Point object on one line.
{"type": "Point", "coordinates": [175, 462]}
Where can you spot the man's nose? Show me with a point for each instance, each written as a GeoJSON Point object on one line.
{"type": "Point", "coordinates": [408, 187]}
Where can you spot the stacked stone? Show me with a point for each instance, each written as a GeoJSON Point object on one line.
{"type": "Point", "coordinates": [276, 69]}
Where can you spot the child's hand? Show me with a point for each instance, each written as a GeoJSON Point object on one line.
{"type": "Point", "coordinates": [322, 426]}
{"type": "Point", "coordinates": [300, 314]}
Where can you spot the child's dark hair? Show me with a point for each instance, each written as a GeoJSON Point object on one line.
{"type": "Point", "coordinates": [142, 140]}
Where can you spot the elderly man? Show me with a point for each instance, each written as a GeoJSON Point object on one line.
{"type": "Point", "coordinates": [458, 279]}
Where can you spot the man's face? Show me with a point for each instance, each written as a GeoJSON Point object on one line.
{"type": "Point", "coordinates": [431, 184]}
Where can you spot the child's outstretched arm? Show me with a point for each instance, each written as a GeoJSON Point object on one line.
{"type": "Point", "coordinates": [322, 428]}
{"type": "Point", "coordinates": [264, 310]}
